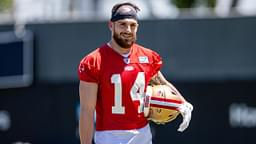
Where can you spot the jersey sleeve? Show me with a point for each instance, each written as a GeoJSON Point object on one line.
{"type": "Point", "coordinates": [156, 62]}
{"type": "Point", "coordinates": [88, 70]}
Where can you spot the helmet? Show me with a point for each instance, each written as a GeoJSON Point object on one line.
{"type": "Point", "coordinates": [161, 104]}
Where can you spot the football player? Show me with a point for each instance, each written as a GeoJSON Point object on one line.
{"type": "Point", "coordinates": [113, 81]}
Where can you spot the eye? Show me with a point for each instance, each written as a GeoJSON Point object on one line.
{"type": "Point", "coordinates": [133, 25]}
{"type": "Point", "coordinates": [122, 24]}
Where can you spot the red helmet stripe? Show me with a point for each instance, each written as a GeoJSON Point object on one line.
{"type": "Point", "coordinates": [167, 100]}
{"type": "Point", "coordinates": [164, 106]}
{"type": "Point", "coordinates": [168, 105]}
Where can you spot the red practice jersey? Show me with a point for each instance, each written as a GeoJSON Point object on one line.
{"type": "Point", "coordinates": [121, 85]}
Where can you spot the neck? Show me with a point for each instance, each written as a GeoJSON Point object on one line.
{"type": "Point", "coordinates": [117, 48]}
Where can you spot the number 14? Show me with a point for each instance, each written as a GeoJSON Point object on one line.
{"type": "Point", "coordinates": [136, 95]}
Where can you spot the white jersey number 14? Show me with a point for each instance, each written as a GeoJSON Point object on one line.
{"type": "Point", "coordinates": [136, 92]}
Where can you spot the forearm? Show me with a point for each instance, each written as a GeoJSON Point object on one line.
{"type": "Point", "coordinates": [86, 127]}
{"type": "Point", "coordinates": [88, 98]}
{"type": "Point", "coordinates": [174, 89]}
{"type": "Point", "coordinates": [160, 79]}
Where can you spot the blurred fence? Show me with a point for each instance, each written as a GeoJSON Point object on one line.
{"type": "Point", "coordinates": [211, 61]}
{"type": "Point", "coordinates": [191, 48]}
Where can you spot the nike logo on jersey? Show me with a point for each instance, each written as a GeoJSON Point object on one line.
{"type": "Point", "coordinates": [143, 59]}
{"type": "Point", "coordinates": [129, 68]}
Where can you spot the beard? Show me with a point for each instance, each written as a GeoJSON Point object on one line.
{"type": "Point", "coordinates": [124, 42]}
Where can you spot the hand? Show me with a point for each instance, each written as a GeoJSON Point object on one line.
{"type": "Point", "coordinates": [186, 111]}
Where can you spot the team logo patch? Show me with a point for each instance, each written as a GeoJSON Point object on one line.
{"type": "Point", "coordinates": [143, 59]}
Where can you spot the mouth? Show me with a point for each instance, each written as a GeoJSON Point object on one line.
{"type": "Point", "coordinates": [126, 36]}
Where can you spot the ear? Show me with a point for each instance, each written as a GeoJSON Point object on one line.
{"type": "Point", "coordinates": [110, 25]}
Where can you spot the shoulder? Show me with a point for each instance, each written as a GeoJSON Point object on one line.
{"type": "Point", "coordinates": [146, 51]}
{"type": "Point", "coordinates": [95, 55]}
{"type": "Point", "coordinates": [89, 66]}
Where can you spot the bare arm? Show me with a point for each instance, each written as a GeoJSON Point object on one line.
{"type": "Point", "coordinates": [88, 97]}
{"type": "Point", "coordinates": [160, 79]}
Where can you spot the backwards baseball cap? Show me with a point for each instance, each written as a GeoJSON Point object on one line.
{"type": "Point", "coordinates": [128, 10]}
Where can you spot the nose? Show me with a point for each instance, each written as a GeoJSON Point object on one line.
{"type": "Point", "coordinates": [128, 28]}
